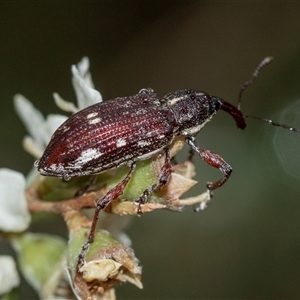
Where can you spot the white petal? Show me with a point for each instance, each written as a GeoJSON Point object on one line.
{"type": "Point", "coordinates": [83, 67]}
{"type": "Point", "coordinates": [32, 148]}
{"type": "Point", "coordinates": [64, 105]}
{"type": "Point", "coordinates": [9, 276]}
{"type": "Point", "coordinates": [14, 215]}
{"type": "Point", "coordinates": [86, 95]}
{"type": "Point", "coordinates": [31, 117]}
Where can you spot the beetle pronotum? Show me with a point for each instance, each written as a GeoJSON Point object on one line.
{"type": "Point", "coordinates": [124, 130]}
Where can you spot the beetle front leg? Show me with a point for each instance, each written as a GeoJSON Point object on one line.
{"type": "Point", "coordinates": [103, 202]}
{"type": "Point", "coordinates": [165, 172]}
{"type": "Point", "coordinates": [215, 161]}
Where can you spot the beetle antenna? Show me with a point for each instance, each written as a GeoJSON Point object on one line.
{"type": "Point", "coordinates": [263, 63]}
{"type": "Point", "coordinates": [288, 127]}
{"type": "Point", "coordinates": [255, 74]}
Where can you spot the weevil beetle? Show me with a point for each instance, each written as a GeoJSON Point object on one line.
{"type": "Point", "coordinates": [124, 130]}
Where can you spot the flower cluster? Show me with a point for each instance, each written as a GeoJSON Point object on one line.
{"type": "Point", "coordinates": [43, 258]}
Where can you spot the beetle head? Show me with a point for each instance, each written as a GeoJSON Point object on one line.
{"type": "Point", "coordinates": [193, 109]}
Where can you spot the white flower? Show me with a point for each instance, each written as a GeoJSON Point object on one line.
{"type": "Point", "coordinates": [14, 215]}
{"type": "Point", "coordinates": [9, 277]}
{"type": "Point", "coordinates": [41, 129]}
{"type": "Point", "coordinates": [83, 85]}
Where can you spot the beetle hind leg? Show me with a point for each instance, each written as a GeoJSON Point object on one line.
{"type": "Point", "coordinates": [165, 172]}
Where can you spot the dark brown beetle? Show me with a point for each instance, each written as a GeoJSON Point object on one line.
{"type": "Point", "coordinates": [123, 130]}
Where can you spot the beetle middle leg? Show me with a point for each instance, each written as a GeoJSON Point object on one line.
{"type": "Point", "coordinates": [91, 181]}
{"type": "Point", "coordinates": [111, 195]}
{"type": "Point", "coordinates": [215, 161]}
{"type": "Point", "coordinates": [165, 172]}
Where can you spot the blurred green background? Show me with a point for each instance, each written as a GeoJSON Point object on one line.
{"type": "Point", "coordinates": [247, 243]}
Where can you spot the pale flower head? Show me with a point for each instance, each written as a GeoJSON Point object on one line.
{"type": "Point", "coordinates": [14, 215]}
{"type": "Point", "coordinates": [9, 276]}
{"type": "Point", "coordinates": [40, 128]}
{"type": "Point", "coordinates": [84, 88]}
